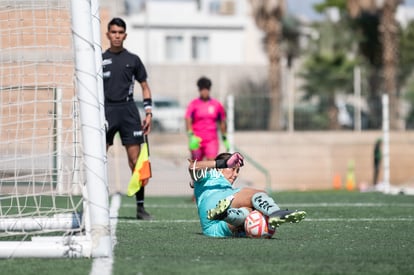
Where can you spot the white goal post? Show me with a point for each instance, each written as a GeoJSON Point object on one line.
{"type": "Point", "coordinates": [54, 196]}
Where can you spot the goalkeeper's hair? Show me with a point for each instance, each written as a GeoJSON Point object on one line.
{"type": "Point", "coordinates": [204, 83]}
{"type": "Point", "coordinates": [117, 21]}
{"type": "Point", "coordinates": [224, 156]}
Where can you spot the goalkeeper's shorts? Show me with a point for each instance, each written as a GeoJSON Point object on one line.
{"type": "Point", "coordinates": [208, 200]}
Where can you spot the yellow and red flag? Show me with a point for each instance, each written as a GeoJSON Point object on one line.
{"type": "Point", "coordinates": [142, 171]}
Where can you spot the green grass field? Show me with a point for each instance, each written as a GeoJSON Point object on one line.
{"type": "Point", "coordinates": [344, 233]}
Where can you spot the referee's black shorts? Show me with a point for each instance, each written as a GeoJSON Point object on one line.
{"type": "Point", "coordinates": [123, 118]}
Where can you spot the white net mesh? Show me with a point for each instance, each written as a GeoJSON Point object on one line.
{"type": "Point", "coordinates": [40, 160]}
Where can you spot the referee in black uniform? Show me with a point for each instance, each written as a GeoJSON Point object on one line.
{"type": "Point", "coordinates": [120, 71]}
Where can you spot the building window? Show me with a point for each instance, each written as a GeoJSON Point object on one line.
{"type": "Point", "coordinates": [174, 46]}
{"type": "Point", "coordinates": [214, 7]}
{"type": "Point", "coordinates": [223, 7]}
{"type": "Point", "coordinates": [200, 48]}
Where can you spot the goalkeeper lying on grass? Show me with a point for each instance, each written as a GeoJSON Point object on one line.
{"type": "Point", "coordinates": [223, 208]}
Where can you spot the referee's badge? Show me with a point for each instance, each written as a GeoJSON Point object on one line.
{"type": "Point", "coordinates": [106, 61]}
{"type": "Point", "coordinates": [137, 133]}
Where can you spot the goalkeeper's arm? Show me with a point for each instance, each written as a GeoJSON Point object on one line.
{"type": "Point", "coordinates": [235, 160]}
{"type": "Point", "coordinates": [194, 141]}
{"type": "Point", "coordinates": [223, 130]}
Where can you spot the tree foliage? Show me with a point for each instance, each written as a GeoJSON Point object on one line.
{"type": "Point", "coordinates": [327, 74]}
{"type": "Point", "coordinates": [328, 69]}
{"type": "Point", "coordinates": [406, 53]}
{"type": "Point", "coordinates": [360, 23]}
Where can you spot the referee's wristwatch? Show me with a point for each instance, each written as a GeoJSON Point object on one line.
{"type": "Point", "coordinates": [148, 114]}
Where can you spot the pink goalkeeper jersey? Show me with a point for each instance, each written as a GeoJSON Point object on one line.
{"type": "Point", "coordinates": [204, 116]}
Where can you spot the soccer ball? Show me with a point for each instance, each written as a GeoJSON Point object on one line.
{"type": "Point", "coordinates": [256, 226]}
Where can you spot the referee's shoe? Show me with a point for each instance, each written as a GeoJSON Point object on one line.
{"type": "Point", "coordinates": [142, 214]}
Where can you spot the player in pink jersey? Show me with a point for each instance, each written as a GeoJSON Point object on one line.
{"type": "Point", "coordinates": [203, 116]}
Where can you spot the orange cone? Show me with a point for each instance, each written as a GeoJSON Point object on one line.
{"type": "Point", "coordinates": [337, 182]}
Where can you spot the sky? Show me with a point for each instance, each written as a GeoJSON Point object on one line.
{"type": "Point", "coordinates": [305, 7]}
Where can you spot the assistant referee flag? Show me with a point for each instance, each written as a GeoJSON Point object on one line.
{"type": "Point", "coordinates": [142, 171]}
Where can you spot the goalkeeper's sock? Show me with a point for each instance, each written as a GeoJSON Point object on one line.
{"type": "Point", "coordinates": [236, 216]}
{"type": "Point", "coordinates": [265, 204]}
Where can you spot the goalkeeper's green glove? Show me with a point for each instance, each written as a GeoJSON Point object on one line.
{"type": "Point", "coordinates": [193, 141]}
{"type": "Point", "coordinates": [225, 142]}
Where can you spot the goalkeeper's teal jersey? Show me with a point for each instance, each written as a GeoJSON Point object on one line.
{"type": "Point", "coordinates": [211, 187]}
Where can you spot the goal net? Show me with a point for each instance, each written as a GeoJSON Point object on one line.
{"type": "Point", "coordinates": [52, 151]}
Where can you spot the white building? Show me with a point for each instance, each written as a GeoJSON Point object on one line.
{"type": "Point", "coordinates": [181, 40]}
{"type": "Point", "coordinates": [194, 32]}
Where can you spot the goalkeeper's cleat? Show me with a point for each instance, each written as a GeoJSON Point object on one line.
{"type": "Point", "coordinates": [286, 216]}
{"type": "Point", "coordinates": [220, 211]}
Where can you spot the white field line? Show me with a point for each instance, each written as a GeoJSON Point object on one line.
{"type": "Point", "coordinates": [293, 205]}
{"type": "Point", "coordinates": [360, 220]}
{"type": "Point", "coordinates": [103, 266]}
{"type": "Point", "coordinates": [305, 220]}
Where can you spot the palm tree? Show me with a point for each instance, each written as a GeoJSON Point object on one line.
{"type": "Point", "coordinates": [268, 16]}
{"type": "Point", "coordinates": [388, 31]}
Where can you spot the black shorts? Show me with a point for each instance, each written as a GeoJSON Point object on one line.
{"type": "Point", "coordinates": [125, 119]}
